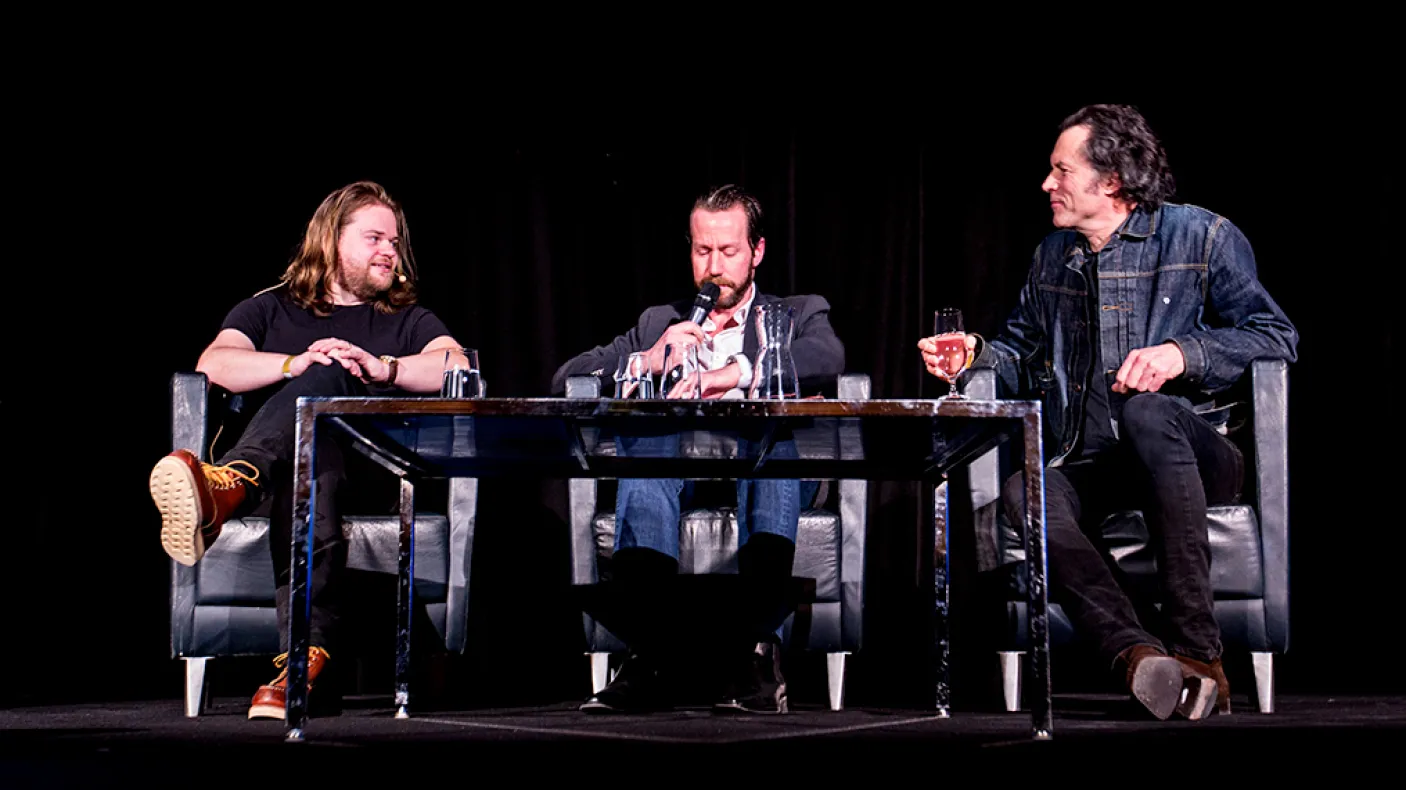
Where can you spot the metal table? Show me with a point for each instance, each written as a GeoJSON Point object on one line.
{"type": "Point", "coordinates": [427, 438]}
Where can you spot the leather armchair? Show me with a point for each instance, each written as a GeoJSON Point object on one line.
{"type": "Point", "coordinates": [829, 549]}
{"type": "Point", "coordinates": [225, 606]}
{"type": "Point", "coordinates": [1249, 541]}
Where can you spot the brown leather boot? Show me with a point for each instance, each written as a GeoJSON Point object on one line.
{"type": "Point", "coordinates": [195, 500]}
{"type": "Point", "coordinates": [1214, 672]}
{"type": "Point", "coordinates": [1153, 678]}
{"type": "Point", "coordinates": [271, 701]}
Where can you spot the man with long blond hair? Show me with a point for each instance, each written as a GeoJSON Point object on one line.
{"type": "Point", "coordinates": [343, 321]}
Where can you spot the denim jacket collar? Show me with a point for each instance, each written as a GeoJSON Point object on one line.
{"type": "Point", "coordinates": [1139, 225]}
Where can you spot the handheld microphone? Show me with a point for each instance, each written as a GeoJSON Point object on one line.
{"type": "Point", "coordinates": [703, 303]}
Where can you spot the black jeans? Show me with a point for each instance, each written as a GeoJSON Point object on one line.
{"type": "Point", "coordinates": [1171, 464]}
{"type": "Point", "coordinates": [268, 444]}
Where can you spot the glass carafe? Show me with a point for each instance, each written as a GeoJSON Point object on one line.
{"type": "Point", "coordinates": [774, 371]}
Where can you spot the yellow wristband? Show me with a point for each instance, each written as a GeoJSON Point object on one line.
{"type": "Point", "coordinates": [287, 373]}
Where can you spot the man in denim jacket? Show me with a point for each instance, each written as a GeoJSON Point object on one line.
{"type": "Point", "coordinates": [1134, 315]}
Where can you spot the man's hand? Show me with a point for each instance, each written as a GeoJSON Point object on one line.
{"type": "Point", "coordinates": [1147, 369]}
{"type": "Point", "coordinates": [357, 361]}
{"type": "Point", "coordinates": [937, 364]}
{"type": "Point", "coordinates": [307, 359]}
{"type": "Point", "coordinates": [684, 333]}
{"type": "Point", "coordinates": [717, 383]}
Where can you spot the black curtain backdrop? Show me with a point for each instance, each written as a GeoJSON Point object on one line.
{"type": "Point", "coordinates": [544, 221]}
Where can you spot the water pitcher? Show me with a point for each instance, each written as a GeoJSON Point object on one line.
{"type": "Point", "coordinates": [774, 371]}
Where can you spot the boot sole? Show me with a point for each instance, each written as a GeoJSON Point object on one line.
{"type": "Point", "coordinates": [1157, 686]}
{"type": "Point", "coordinates": [732, 708]}
{"type": "Point", "coordinates": [279, 712]}
{"type": "Point", "coordinates": [1198, 698]}
{"type": "Point", "coordinates": [173, 490]}
{"type": "Point", "coordinates": [318, 707]}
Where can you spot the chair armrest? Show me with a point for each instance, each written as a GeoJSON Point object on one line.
{"type": "Point", "coordinates": [853, 386]}
{"type": "Point", "coordinates": [854, 513]}
{"type": "Point", "coordinates": [190, 413]}
{"type": "Point", "coordinates": [581, 499]}
{"type": "Point", "coordinates": [463, 519]}
{"type": "Point", "coordinates": [1270, 397]}
{"type": "Point", "coordinates": [582, 387]}
{"type": "Point", "coordinates": [998, 544]}
{"type": "Point", "coordinates": [190, 396]}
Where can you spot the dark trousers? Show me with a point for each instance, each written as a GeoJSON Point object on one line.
{"type": "Point", "coordinates": [1171, 464]}
{"type": "Point", "coordinates": [268, 444]}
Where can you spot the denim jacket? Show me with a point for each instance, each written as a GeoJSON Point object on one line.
{"type": "Point", "coordinates": [1178, 273]}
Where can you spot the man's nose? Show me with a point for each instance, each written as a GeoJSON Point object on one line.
{"type": "Point", "coordinates": [1050, 183]}
{"type": "Point", "coordinates": [715, 263]}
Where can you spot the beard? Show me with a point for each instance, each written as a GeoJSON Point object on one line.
{"type": "Point", "coordinates": [736, 291]}
{"type": "Point", "coordinates": [357, 281]}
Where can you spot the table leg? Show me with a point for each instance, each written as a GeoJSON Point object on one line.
{"type": "Point", "coordinates": [300, 582]}
{"type": "Point", "coordinates": [405, 599]}
{"type": "Point", "coordinates": [943, 689]}
{"type": "Point", "coordinates": [1042, 724]}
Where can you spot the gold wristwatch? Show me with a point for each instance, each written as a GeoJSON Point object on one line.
{"type": "Point", "coordinates": [394, 365]}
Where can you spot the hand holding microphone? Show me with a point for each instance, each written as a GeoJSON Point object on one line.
{"type": "Point", "coordinates": [687, 332]}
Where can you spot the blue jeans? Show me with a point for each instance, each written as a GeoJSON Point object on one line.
{"type": "Point", "coordinates": [647, 511]}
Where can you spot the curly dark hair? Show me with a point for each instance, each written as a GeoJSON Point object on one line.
{"type": "Point", "coordinates": [1122, 144]}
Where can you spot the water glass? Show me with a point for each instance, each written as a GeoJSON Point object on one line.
{"type": "Point", "coordinates": [633, 378]}
{"type": "Point", "coordinates": [682, 375]}
{"type": "Point", "coordinates": [461, 374]}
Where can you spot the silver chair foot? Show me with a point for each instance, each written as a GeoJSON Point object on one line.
{"type": "Point", "coordinates": [835, 674]}
{"type": "Point", "coordinates": [600, 671]}
{"type": "Point", "coordinates": [1264, 680]}
{"type": "Point", "coordinates": [1012, 670]}
{"type": "Point", "coordinates": [195, 686]}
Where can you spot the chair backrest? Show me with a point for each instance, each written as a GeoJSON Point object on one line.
{"type": "Point", "coordinates": [588, 546]}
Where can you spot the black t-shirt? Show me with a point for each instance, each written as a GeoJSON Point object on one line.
{"type": "Point", "coordinates": [1102, 406]}
{"type": "Point", "coordinates": [274, 322]}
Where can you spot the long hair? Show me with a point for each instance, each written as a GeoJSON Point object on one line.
{"type": "Point", "coordinates": [1121, 143]}
{"type": "Point", "coordinates": [312, 271]}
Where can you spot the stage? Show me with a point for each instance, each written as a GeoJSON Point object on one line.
{"type": "Point", "coordinates": [110, 743]}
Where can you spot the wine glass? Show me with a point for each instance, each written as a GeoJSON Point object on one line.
{"type": "Point", "coordinates": [953, 356]}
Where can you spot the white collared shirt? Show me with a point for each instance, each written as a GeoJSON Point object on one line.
{"type": "Point", "coordinates": [726, 346]}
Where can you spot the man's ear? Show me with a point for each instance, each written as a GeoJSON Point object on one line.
{"type": "Point", "coordinates": [758, 251]}
{"type": "Point", "coordinates": [1111, 185]}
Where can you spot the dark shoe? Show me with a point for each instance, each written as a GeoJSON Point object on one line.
{"type": "Point", "coordinates": [637, 688]}
{"type": "Point", "coordinates": [1153, 678]}
{"type": "Point", "coordinates": [195, 500]}
{"type": "Point", "coordinates": [757, 685]}
{"type": "Point", "coordinates": [271, 701]}
{"type": "Point", "coordinates": [1198, 676]}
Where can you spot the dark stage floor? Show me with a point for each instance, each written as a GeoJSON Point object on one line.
{"type": "Point", "coordinates": [112, 743]}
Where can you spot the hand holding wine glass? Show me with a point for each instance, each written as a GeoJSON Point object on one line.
{"type": "Point", "coordinates": [950, 350]}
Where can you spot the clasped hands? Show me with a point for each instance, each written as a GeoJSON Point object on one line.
{"type": "Point", "coordinates": [329, 350]}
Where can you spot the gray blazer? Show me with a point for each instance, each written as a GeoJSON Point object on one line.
{"type": "Point", "coordinates": [819, 354]}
